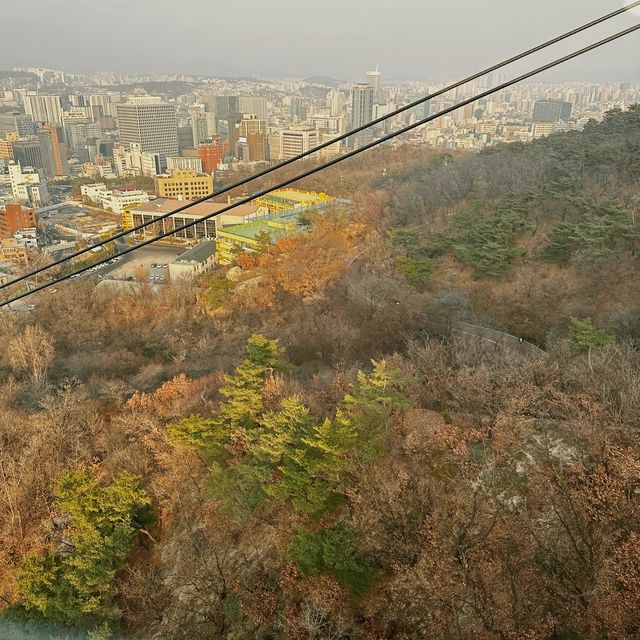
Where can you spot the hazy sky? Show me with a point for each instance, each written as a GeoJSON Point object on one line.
{"type": "Point", "coordinates": [408, 38]}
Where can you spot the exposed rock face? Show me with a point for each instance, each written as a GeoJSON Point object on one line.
{"type": "Point", "coordinates": [234, 274]}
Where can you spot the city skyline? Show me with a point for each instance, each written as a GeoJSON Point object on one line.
{"type": "Point", "coordinates": [407, 50]}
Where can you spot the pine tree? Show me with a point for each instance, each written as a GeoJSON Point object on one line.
{"type": "Point", "coordinates": [76, 586]}
{"type": "Point", "coordinates": [585, 337]}
{"type": "Point", "coordinates": [314, 474]}
{"type": "Point", "coordinates": [243, 405]}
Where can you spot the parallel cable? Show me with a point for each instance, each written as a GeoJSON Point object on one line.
{"type": "Point", "coordinates": [334, 161]}
{"type": "Point", "coordinates": [333, 141]}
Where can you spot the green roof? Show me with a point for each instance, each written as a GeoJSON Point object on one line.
{"type": "Point", "coordinates": [251, 230]}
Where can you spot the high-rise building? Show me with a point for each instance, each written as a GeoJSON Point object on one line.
{"type": "Point", "coordinates": [251, 124]}
{"type": "Point", "coordinates": [374, 80]}
{"type": "Point", "coordinates": [233, 119]}
{"type": "Point", "coordinates": [361, 105]}
{"type": "Point", "coordinates": [299, 109]}
{"type": "Point", "coordinates": [551, 111]}
{"type": "Point", "coordinates": [297, 141]}
{"type": "Point", "coordinates": [53, 150]}
{"type": "Point", "coordinates": [185, 138]}
{"type": "Point", "coordinates": [211, 155]}
{"type": "Point", "coordinates": [14, 217]}
{"type": "Point", "coordinates": [335, 103]}
{"type": "Point", "coordinates": [150, 124]}
{"type": "Point", "coordinates": [253, 105]}
{"type": "Point", "coordinates": [184, 184]}
{"type": "Point", "coordinates": [6, 146]}
{"type": "Point", "coordinates": [257, 145]}
{"type": "Point", "coordinates": [361, 112]}
{"type": "Point", "coordinates": [199, 127]}
{"type": "Point", "coordinates": [104, 102]}
{"type": "Point", "coordinates": [152, 164]}
{"type": "Point", "coordinates": [28, 153]}
{"type": "Point", "coordinates": [43, 108]}
{"type": "Point", "coordinates": [18, 123]}
{"type": "Point", "coordinates": [274, 147]}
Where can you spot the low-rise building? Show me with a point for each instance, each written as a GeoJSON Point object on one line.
{"type": "Point", "coordinates": [14, 217]}
{"type": "Point", "coordinates": [121, 201]}
{"type": "Point", "coordinates": [147, 213]}
{"type": "Point", "coordinates": [184, 184]}
{"type": "Point", "coordinates": [198, 259]}
{"type": "Point", "coordinates": [288, 199]}
{"type": "Point", "coordinates": [27, 237]}
{"type": "Point", "coordinates": [12, 251]}
{"type": "Point", "coordinates": [93, 192]}
{"type": "Point", "coordinates": [248, 237]}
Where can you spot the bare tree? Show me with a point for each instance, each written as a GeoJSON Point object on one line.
{"type": "Point", "coordinates": [32, 351]}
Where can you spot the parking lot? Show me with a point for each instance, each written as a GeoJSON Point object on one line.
{"type": "Point", "coordinates": [147, 264]}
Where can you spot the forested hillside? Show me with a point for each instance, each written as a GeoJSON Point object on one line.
{"type": "Point", "coordinates": [307, 445]}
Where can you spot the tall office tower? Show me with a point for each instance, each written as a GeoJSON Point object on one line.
{"type": "Point", "coordinates": [220, 105]}
{"type": "Point", "coordinates": [551, 111]}
{"type": "Point", "coordinates": [335, 103]}
{"type": "Point", "coordinates": [361, 105]}
{"type": "Point", "coordinates": [297, 141]}
{"type": "Point", "coordinates": [16, 123]}
{"type": "Point", "coordinates": [257, 145]}
{"type": "Point", "coordinates": [199, 126]}
{"type": "Point", "coordinates": [53, 150]}
{"type": "Point", "coordinates": [298, 109]}
{"type": "Point", "coordinates": [251, 124]}
{"type": "Point", "coordinates": [185, 138]}
{"type": "Point", "coordinates": [102, 101]}
{"type": "Point", "coordinates": [150, 124]}
{"type": "Point", "coordinates": [253, 105]}
{"type": "Point", "coordinates": [28, 153]}
{"type": "Point", "coordinates": [43, 108]}
{"type": "Point", "coordinates": [361, 113]}
{"type": "Point", "coordinates": [233, 119]}
{"type": "Point", "coordinates": [374, 80]}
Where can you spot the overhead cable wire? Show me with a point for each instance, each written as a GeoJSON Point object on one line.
{"type": "Point", "coordinates": [328, 143]}
{"type": "Point", "coordinates": [334, 161]}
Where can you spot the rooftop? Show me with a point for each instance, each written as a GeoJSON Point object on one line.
{"type": "Point", "coordinates": [165, 205]}
{"type": "Point", "coordinates": [199, 253]}
{"type": "Point", "coordinates": [276, 228]}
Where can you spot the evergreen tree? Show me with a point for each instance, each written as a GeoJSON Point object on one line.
{"type": "Point", "coordinates": [243, 405]}
{"type": "Point", "coordinates": [75, 584]}
{"type": "Point", "coordinates": [333, 551]}
{"type": "Point", "coordinates": [585, 337]}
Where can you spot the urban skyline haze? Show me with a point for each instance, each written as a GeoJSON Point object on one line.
{"type": "Point", "coordinates": [409, 38]}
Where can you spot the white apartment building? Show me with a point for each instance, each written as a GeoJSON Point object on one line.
{"type": "Point", "coordinates": [26, 185]}
{"type": "Point", "coordinates": [93, 191]}
{"type": "Point", "coordinates": [118, 201]}
{"type": "Point", "coordinates": [43, 108]}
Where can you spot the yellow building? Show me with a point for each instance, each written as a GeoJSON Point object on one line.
{"type": "Point", "coordinates": [12, 251]}
{"type": "Point", "coordinates": [6, 146]}
{"type": "Point", "coordinates": [288, 199]}
{"type": "Point", "coordinates": [248, 237]}
{"type": "Point", "coordinates": [184, 184]}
